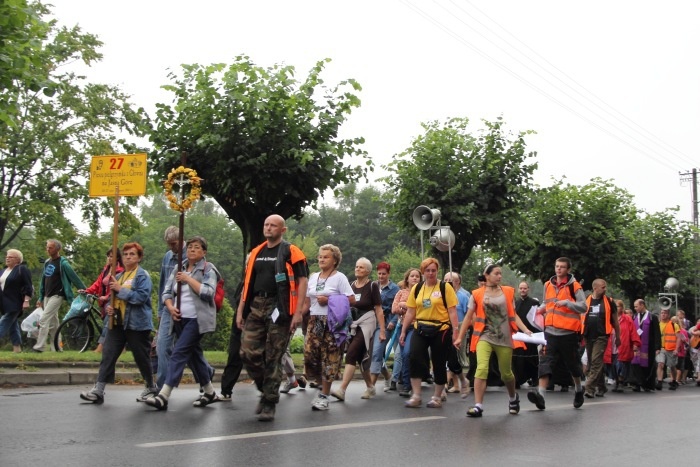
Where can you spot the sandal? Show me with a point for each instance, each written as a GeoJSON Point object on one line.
{"type": "Point", "coordinates": [157, 401]}
{"type": "Point", "coordinates": [205, 399]}
{"type": "Point", "coordinates": [414, 402]}
{"type": "Point", "coordinates": [434, 403]}
{"type": "Point", "coordinates": [475, 411]}
{"type": "Point", "coordinates": [453, 390]}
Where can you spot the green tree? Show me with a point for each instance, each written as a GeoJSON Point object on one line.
{"type": "Point", "coordinates": [665, 248]}
{"type": "Point", "coordinates": [44, 155]}
{"type": "Point", "coordinates": [21, 32]}
{"type": "Point", "coordinates": [477, 182]}
{"type": "Point", "coordinates": [262, 141]}
{"type": "Point", "coordinates": [591, 224]}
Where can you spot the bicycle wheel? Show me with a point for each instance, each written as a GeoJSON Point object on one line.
{"type": "Point", "coordinates": [74, 334]}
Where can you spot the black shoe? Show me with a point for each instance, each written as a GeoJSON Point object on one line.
{"type": "Point", "coordinates": [536, 398]}
{"type": "Point", "coordinates": [578, 399]}
{"type": "Point", "coordinates": [672, 386]}
{"type": "Point", "coordinates": [159, 402]}
{"type": "Point", "coordinates": [659, 386]}
{"type": "Point", "coordinates": [637, 388]}
{"type": "Point", "coordinates": [392, 386]}
{"type": "Point", "coordinates": [268, 412]}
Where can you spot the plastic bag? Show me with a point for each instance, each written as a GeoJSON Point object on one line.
{"type": "Point", "coordinates": [79, 307]}
{"type": "Point", "coordinates": [535, 318]}
{"type": "Point", "coordinates": [30, 324]}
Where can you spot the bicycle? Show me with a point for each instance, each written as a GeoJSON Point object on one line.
{"type": "Point", "coordinates": [77, 332]}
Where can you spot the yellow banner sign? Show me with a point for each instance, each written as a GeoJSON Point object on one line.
{"type": "Point", "coordinates": [127, 172]}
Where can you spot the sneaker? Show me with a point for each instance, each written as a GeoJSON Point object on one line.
{"type": "Point", "coordinates": [93, 395]}
{"type": "Point", "coordinates": [387, 385]}
{"type": "Point", "coordinates": [146, 393]}
{"type": "Point", "coordinates": [302, 381]}
{"type": "Point", "coordinates": [289, 386]}
{"type": "Point", "coordinates": [268, 413]}
{"type": "Point", "coordinates": [672, 385]}
{"type": "Point", "coordinates": [320, 403]}
{"type": "Point", "coordinates": [225, 397]}
{"type": "Point", "coordinates": [405, 391]}
{"type": "Point", "coordinates": [338, 394]}
{"type": "Point", "coordinates": [578, 399]}
{"type": "Point", "coordinates": [392, 386]}
{"type": "Point", "coordinates": [659, 385]}
{"type": "Point", "coordinates": [369, 393]}
{"type": "Point", "coordinates": [589, 395]}
{"type": "Point", "coordinates": [514, 406]}
{"type": "Point", "coordinates": [536, 398]}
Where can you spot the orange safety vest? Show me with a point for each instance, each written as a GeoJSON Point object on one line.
{"type": "Point", "coordinates": [480, 315]}
{"type": "Point", "coordinates": [606, 309]}
{"type": "Point", "coordinates": [296, 255]}
{"type": "Point", "coordinates": [669, 337]}
{"type": "Point", "coordinates": [561, 317]}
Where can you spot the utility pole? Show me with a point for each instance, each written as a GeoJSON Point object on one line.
{"type": "Point", "coordinates": [692, 177]}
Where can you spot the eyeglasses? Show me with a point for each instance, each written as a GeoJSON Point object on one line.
{"type": "Point", "coordinates": [11, 257]}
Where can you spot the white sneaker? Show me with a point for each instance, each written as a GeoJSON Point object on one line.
{"type": "Point", "coordinates": [387, 385]}
{"type": "Point", "coordinates": [320, 403]}
{"type": "Point", "coordinates": [338, 394]}
{"type": "Point", "coordinates": [369, 393]}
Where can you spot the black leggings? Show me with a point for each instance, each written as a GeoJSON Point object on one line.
{"type": "Point", "coordinates": [420, 360]}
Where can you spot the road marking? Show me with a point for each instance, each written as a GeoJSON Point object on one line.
{"type": "Point", "coordinates": [313, 429]}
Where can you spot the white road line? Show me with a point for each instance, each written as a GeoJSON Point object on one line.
{"type": "Point", "coordinates": [312, 429]}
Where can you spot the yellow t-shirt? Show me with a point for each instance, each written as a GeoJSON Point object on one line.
{"type": "Point", "coordinates": [429, 305]}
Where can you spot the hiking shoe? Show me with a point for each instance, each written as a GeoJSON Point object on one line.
{"type": "Point", "coordinates": [289, 386]}
{"type": "Point", "coordinates": [302, 381]}
{"type": "Point", "coordinates": [338, 394]}
{"type": "Point", "coordinates": [514, 406]}
{"type": "Point", "coordinates": [146, 393]}
{"type": "Point", "coordinates": [268, 413]}
{"type": "Point", "coordinates": [157, 401]}
{"type": "Point", "coordinates": [93, 395]}
{"type": "Point", "coordinates": [536, 398]}
{"type": "Point", "coordinates": [205, 399]}
{"type": "Point", "coordinates": [578, 399]}
{"type": "Point", "coordinates": [320, 403]}
{"type": "Point", "coordinates": [369, 393]}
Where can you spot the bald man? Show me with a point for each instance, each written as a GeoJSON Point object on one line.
{"type": "Point", "coordinates": [270, 309]}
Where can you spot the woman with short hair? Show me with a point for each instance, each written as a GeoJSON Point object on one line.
{"type": "Point", "coordinates": [16, 287]}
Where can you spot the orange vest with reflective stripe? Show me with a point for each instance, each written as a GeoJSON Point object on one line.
{"type": "Point", "coordinates": [669, 337]}
{"type": "Point", "coordinates": [561, 317]}
{"type": "Point", "coordinates": [606, 309]}
{"type": "Point", "coordinates": [480, 314]}
{"type": "Point", "coordinates": [296, 255]}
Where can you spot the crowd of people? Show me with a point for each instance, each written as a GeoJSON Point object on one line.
{"type": "Point", "coordinates": [439, 333]}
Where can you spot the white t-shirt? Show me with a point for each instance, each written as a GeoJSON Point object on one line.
{"type": "Point", "coordinates": [335, 284]}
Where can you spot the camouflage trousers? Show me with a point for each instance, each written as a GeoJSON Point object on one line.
{"type": "Point", "coordinates": [263, 343]}
{"type": "Point", "coordinates": [320, 350]}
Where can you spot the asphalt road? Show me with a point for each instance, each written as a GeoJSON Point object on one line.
{"type": "Point", "coordinates": [51, 425]}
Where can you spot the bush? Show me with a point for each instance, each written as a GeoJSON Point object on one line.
{"type": "Point", "coordinates": [296, 345]}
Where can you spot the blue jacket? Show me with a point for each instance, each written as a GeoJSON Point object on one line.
{"type": "Point", "coordinates": [139, 314]}
{"type": "Point", "coordinates": [205, 308]}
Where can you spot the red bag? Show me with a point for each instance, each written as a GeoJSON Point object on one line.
{"type": "Point", "coordinates": [220, 293]}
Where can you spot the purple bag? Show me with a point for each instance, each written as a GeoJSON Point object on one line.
{"type": "Point", "coordinates": [339, 318]}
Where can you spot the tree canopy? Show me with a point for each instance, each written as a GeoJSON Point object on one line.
{"type": "Point", "coordinates": [477, 182]}
{"type": "Point", "coordinates": [263, 141]}
{"type": "Point", "coordinates": [44, 153]}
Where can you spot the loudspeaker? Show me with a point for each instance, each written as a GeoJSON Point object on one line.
{"type": "Point", "coordinates": [671, 284]}
{"type": "Point", "coordinates": [665, 303]}
{"type": "Point", "coordinates": [443, 240]}
{"type": "Point", "coordinates": [424, 217]}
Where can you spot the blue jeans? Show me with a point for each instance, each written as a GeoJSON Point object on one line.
{"type": "Point", "coordinates": [378, 350]}
{"type": "Point", "coordinates": [398, 360]}
{"type": "Point", "coordinates": [406, 365]}
{"type": "Point", "coordinates": [187, 350]}
{"type": "Point", "coordinates": [9, 324]}
{"type": "Point", "coordinates": [164, 347]}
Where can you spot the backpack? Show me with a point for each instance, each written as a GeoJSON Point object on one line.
{"type": "Point", "coordinates": [220, 293]}
{"type": "Point", "coordinates": [442, 291]}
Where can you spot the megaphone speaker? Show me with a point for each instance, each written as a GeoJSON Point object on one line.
{"type": "Point", "coordinates": [443, 240]}
{"type": "Point", "coordinates": [665, 303]}
{"type": "Point", "coordinates": [424, 217]}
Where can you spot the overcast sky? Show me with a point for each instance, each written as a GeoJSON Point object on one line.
{"type": "Point", "coordinates": [612, 88]}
